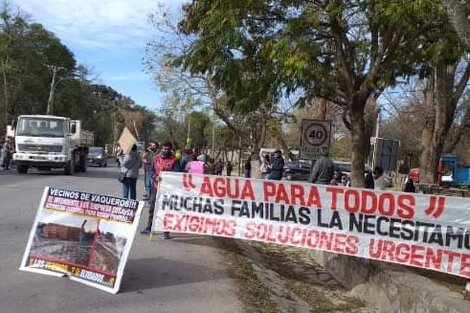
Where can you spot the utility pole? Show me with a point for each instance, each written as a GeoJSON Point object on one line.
{"type": "Point", "coordinates": [50, 102]}
{"type": "Point", "coordinates": [5, 90]}
{"type": "Point", "coordinates": [376, 139]}
{"type": "Point", "coordinates": [135, 129]}
{"type": "Point", "coordinates": [213, 134]}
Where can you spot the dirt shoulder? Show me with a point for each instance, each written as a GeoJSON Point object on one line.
{"type": "Point", "coordinates": [273, 278]}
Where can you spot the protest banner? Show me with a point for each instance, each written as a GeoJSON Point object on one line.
{"type": "Point", "coordinates": [126, 140]}
{"type": "Point", "coordinates": [84, 236]}
{"type": "Point", "coordinates": [425, 231]}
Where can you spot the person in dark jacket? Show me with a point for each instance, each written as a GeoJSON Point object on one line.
{"type": "Point", "coordinates": [219, 167]}
{"type": "Point", "coordinates": [323, 171]}
{"type": "Point", "coordinates": [229, 168]}
{"type": "Point", "coordinates": [277, 166]}
{"type": "Point", "coordinates": [409, 186]}
{"type": "Point", "coordinates": [7, 151]}
{"type": "Point", "coordinates": [369, 181]}
{"type": "Point", "coordinates": [248, 167]}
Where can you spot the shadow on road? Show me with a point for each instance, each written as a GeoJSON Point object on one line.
{"type": "Point", "coordinates": [150, 273]}
{"type": "Point", "coordinates": [105, 173]}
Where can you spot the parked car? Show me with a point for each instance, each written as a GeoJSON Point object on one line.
{"type": "Point", "coordinates": [300, 169]}
{"type": "Point", "coordinates": [97, 156]}
{"type": "Point", "coordinates": [346, 167]}
{"type": "Point", "coordinates": [297, 170]}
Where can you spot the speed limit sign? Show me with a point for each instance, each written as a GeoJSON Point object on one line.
{"type": "Point", "coordinates": [315, 138]}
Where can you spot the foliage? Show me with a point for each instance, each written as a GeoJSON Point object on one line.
{"type": "Point", "coordinates": [343, 51]}
{"type": "Point", "coordinates": [27, 51]}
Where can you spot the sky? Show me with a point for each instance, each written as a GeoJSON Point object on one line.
{"type": "Point", "coordinates": [109, 36]}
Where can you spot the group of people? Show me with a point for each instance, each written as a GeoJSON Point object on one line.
{"type": "Point", "coordinates": [324, 172]}
{"type": "Point", "coordinates": [158, 158]}
{"type": "Point", "coordinates": [271, 165]}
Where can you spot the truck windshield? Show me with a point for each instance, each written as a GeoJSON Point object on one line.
{"type": "Point", "coordinates": [40, 127]}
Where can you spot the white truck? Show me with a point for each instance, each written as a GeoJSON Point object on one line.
{"type": "Point", "coordinates": [45, 142]}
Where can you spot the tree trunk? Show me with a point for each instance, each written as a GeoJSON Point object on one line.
{"type": "Point", "coordinates": [459, 131]}
{"type": "Point", "coordinates": [359, 138]}
{"type": "Point", "coordinates": [440, 104]}
{"type": "Point", "coordinates": [457, 15]}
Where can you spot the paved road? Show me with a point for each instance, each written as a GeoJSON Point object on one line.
{"type": "Point", "coordinates": [185, 274]}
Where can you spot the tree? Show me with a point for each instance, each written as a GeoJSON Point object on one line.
{"type": "Point", "coordinates": [201, 129]}
{"type": "Point", "coordinates": [343, 51]}
{"type": "Point", "coordinates": [458, 15]}
{"type": "Point", "coordinates": [163, 61]}
{"type": "Point", "coordinates": [404, 123]}
{"type": "Point", "coordinates": [27, 50]}
{"type": "Point", "coordinates": [447, 73]}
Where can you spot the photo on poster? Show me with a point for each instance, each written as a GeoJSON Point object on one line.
{"type": "Point", "coordinates": [69, 239]}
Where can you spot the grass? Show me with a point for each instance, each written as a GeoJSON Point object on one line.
{"type": "Point", "coordinates": [252, 290]}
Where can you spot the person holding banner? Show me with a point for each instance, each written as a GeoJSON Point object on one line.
{"type": "Point", "coordinates": [164, 161]}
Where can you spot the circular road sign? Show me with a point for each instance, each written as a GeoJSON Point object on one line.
{"type": "Point", "coordinates": [315, 134]}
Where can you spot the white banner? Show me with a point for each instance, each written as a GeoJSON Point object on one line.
{"type": "Point", "coordinates": [425, 231]}
{"type": "Point", "coordinates": [84, 236]}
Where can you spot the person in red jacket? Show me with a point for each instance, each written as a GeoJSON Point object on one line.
{"type": "Point", "coordinates": [164, 161]}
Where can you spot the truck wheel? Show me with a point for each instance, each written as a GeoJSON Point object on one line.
{"type": "Point", "coordinates": [22, 169]}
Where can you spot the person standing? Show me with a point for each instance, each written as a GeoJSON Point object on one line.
{"type": "Point", "coordinates": [229, 168]}
{"type": "Point", "coordinates": [7, 150]}
{"type": "Point", "coordinates": [409, 186]}
{"type": "Point", "coordinates": [186, 158]}
{"type": "Point", "coordinates": [130, 164]}
{"type": "Point", "coordinates": [147, 160]}
{"type": "Point", "coordinates": [403, 171]}
{"type": "Point", "coordinates": [277, 166]}
{"type": "Point", "coordinates": [162, 162]}
{"type": "Point", "coordinates": [380, 181]}
{"type": "Point", "coordinates": [323, 171]}
{"type": "Point", "coordinates": [369, 181]}
{"type": "Point", "coordinates": [219, 167]}
{"type": "Point", "coordinates": [265, 167]}
{"type": "Point", "coordinates": [210, 167]}
{"type": "Point", "coordinates": [248, 167]}
{"type": "Point", "coordinates": [197, 166]}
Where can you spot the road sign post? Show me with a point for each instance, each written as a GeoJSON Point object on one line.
{"type": "Point", "coordinates": [314, 139]}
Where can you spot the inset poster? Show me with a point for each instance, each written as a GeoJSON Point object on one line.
{"type": "Point", "coordinates": [84, 236]}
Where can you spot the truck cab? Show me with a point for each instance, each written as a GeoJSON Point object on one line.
{"type": "Point", "coordinates": [45, 142]}
{"type": "Point", "coordinates": [449, 171]}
